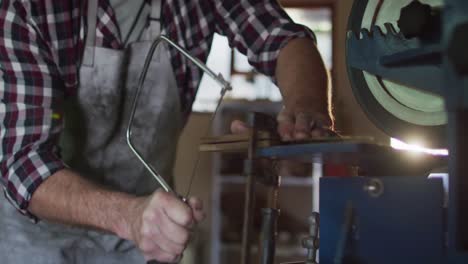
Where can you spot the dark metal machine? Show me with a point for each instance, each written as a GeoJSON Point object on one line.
{"type": "Point", "coordinates": [408, 67]}
{"type": "Point", "coordinates": [407, 63]}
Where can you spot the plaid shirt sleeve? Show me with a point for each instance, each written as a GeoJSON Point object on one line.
{"type": "Point", "coordinates": [259, 29]}
{"type": "Point", "coordinates": [29, 95]}
{"type": "Point", "coordinates": [41, 43]}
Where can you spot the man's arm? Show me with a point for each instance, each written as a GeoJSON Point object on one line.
{"type": "Point", "coordinates": [35, 179]}
{"type": "Point", "coordinates": [68, 198]}
{"type": "Point", "coordinates": [159, 224]}
{"type": "Point", "coordinates": [304, 84]}
{"type": "Point", "coordinates": [280, 48]}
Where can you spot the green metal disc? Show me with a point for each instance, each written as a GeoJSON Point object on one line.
{"type": "Point", "coordinates": [402, 112]}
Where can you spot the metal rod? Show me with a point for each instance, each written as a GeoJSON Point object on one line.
{"type": "Point", "coordinates": [249, 201]}
{"type": "Point", "coordinates": [248, 218]}
{"type": "Point", "coordinates": [268, 235]}
{"type": "Point", "coordinates": [217, 77]}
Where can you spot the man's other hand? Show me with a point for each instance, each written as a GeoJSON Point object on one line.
{"type": "Point", "coordinates": [163, 224]}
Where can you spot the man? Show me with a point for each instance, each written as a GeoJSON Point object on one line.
{"type": "Point", "coordinates": [69, 69]}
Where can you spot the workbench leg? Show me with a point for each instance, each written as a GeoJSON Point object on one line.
{"type": "Point", "coordinates": [268, 235]}
{"type": "Point", "coordinates": [248, 214]}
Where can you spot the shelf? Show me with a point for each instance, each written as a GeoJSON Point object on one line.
{"type": "Point", "coordinates": [285, 180]}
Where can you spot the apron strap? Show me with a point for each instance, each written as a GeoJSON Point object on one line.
{"type": "Point", "coordinates": [138, 25]}
{"type": "Point", "coordinates": [155, 17]}
{"type": "Point", "coordinates": [154, 20]}
{"type": "Point", "coordinates": [88, 57]}
{"type": "Point", "coordinates": [147, 25]}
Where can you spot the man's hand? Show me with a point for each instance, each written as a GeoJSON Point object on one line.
{"type": "Point", "coordinates": [295, 126]}
{"type": "Point", "coordinates": [160, 224]}
{"type": "Point", "coordinates": [303, 81]}
{"type": "Point", "coordinates": [302, 124]}
{"type": "Point", "coordinates": [163, 224]}
{"type": "Point", "coordinates": [304, 84]}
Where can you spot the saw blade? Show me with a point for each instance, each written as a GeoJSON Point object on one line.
{"type": "Point", "coordinates": [207, 133]}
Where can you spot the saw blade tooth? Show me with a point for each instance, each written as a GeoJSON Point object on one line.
{"type": "Point", "coordinates": [390, 29]}
{"type": "Point", "coordinates": [377, 32]}
{"type": "Point", "coordinates": [364, 34]}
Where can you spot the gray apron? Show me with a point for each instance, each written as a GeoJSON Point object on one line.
{"type": "Point", "coordinates": [94, 144]}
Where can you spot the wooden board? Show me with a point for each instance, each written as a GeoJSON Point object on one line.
{"type": "Point", "coordinates": [240, 142]}
{"type": "Point", "coordinates": [261, 135]}
{"type": "Point", "coordinates": [240, 146]}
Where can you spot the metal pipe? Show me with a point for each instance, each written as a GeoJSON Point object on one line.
{"type": "Point", "coordinates": [268, 235]}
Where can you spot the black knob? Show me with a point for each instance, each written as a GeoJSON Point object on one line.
{"type": "Point", "coordinates": [415, 19]}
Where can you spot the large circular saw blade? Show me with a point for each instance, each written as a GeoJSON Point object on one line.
{"type": "Point", "coordinates": [402, 112]}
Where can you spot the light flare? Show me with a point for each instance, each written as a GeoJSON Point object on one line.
{"type": "Point", "coordinates": [416, 147]}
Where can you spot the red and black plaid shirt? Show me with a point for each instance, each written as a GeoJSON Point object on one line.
{"type": "Point", "coordinates": [41, 45]}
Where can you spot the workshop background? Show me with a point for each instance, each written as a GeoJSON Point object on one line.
{"type": "Point", "coordinates": [220, 186]}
